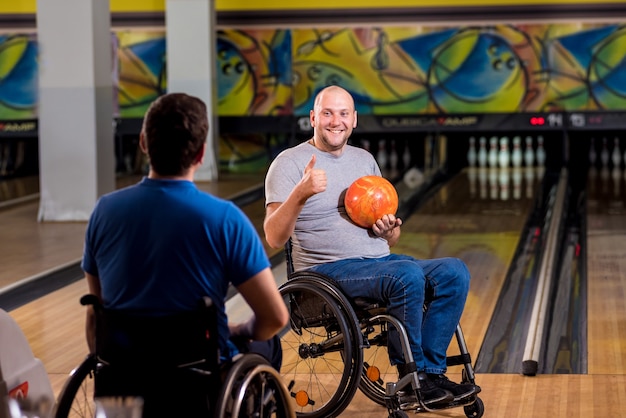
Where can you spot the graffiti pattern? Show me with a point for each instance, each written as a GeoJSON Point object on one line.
{"type": "Point", "coordinates": [18, 77]}
{"type": "Point", "coordinates": [389, 70]}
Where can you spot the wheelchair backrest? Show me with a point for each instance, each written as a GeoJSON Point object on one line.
{"type": "Point", "coordinates": [177, 340]}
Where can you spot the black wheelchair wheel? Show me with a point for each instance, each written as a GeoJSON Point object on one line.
{"type": "Point", "coordinates": [321, 348]}
{"type": "Point", "coordinates": [253, 388]}
{"type": "Point", "coordinates": [475, 409]}
{"type": "Point", "coordinates": [76, 399]}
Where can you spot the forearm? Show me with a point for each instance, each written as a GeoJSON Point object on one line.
{"type": "Point", "coordinates": [90, 329]}
{"type": "Point", "coordinates": [270, 314]}
{"type": "Point", "coordinates": [280, 220]}
{"type": "Point", "coordinates": [90, 323]}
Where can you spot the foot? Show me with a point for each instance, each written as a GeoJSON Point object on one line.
{"type": "Point", "coordinates": [460, 391]}
{"type": "Point", "coordinates": [431, 395]}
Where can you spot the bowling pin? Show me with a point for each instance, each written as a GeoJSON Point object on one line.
{"type": "Point", "coordinates": [482, 152]}
{"type": "Point", "coordinates": [516, 154]}
{"type": "Point", "coordinates": [493, 152]}
{"type": "Point", "coordinates": [529, 153]}
{"type": "Point", "coordinates": [406, 155]}
{"type": "Point", "coordinates": [616, 156]}
{"type": "Point", "coordinates": [365, 144]}
{"type": "Point", "coordinates": [471, 152]}
{"type": "Point", "coordinates": [482, 182]}
{"type": "Point", "coordinates": [503, 180]}
{"type": "Point", "coordinates": [604, 154]}
{"type": "Point", "coordinates": [517, 182]}
{"type": "Point", "coordinates": [541, 153]}
{"type": "Point", "coordinates": [493, 183]}
{"type": "Point", "coordinates": [381, 155]}
{"type": "Point", "coordinates": [503, 155]}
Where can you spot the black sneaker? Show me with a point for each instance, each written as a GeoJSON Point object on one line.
{"type": "Point", "coordinates": [432, 396]}
{"type": "Point", "coordinates": [460, 391]}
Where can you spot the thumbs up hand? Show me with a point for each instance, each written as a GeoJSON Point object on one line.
{"type": "Point", "coordinates": [313, 181]}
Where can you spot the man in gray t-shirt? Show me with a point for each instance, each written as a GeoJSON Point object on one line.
{"type": "Point", "coordinates": [305, 188]}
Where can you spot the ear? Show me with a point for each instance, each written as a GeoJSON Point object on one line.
{"type": "Point", "coordinates": [312, 118]}
{"type": "Point", "coordinates": [200, 157]}
{"type": "Point", "coordinates": [354, 125]}
{"type": "Point", "coordinates": [142, 143]}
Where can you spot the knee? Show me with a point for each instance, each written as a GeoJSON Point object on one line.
{"type": "Point", "coordinates": [460, 273]}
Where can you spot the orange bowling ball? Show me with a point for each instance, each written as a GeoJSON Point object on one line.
{"type": "Point", "coordinates": [369, 198]}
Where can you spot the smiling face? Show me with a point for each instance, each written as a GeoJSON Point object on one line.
{"type": "Point", "coordinates": [333, 118]}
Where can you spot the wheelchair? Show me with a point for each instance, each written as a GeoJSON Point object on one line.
{"type": "Point", "coordinates": [172, 363]}
{"type": "Point", "coordinates": [334, 346]}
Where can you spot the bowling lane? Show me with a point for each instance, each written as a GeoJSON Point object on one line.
{"type": "Point", "coordinates": [18, 189]}
{"type": "Point", "coordinates": [606, 270]}
{"type": "Point", "coordinates": [478, 216]}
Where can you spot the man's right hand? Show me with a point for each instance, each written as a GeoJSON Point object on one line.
{"type": "Point", "coordinates": [313, 181]}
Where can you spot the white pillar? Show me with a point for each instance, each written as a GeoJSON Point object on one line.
{"type": "Point", "coordinates": [190, 39]}
{"type": "Point", "coordinates": [76, 148]}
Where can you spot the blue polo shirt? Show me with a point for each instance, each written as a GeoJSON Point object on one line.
{"type": "Point", "coordinates": [160, 245]}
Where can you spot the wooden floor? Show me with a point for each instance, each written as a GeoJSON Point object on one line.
{"type": "Point", "coordinates": [480, 228]}
{"type": "Point", "coordinates": [29, 248]}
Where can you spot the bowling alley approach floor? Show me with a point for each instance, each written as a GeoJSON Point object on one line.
{"type": "Point", "coordinates": [29, 249]}
{"type": "Point", "coordinates": [55, 333]}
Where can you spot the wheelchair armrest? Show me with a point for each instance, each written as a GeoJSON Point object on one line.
{"type": "Point", "coordinates": [90, 299]}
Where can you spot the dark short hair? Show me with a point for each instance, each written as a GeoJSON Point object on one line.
{"type": "Point", "coordinates": [175, 128]}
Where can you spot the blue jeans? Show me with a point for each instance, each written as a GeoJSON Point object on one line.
{"type": "Point", "coordinates": [405, 284]}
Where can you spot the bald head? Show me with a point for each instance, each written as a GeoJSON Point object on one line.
{"type": "Point", "coordinates": [333, 91]}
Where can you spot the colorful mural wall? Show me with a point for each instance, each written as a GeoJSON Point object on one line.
{"type": "Point", "coordinates": [390, 70]}
{"type": "Point", "coordinates": [394, 70]}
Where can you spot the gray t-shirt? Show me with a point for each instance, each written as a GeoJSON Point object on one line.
{"type": "Point", "coordinates": [323, 231]}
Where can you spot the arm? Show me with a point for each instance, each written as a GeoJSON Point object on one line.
{"type": "Point", "coordinates": [90, 324]}
{"type": "Point", "coordinates": [270, 312]}
{"type": "Point", "coordinates": [280, 217]}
